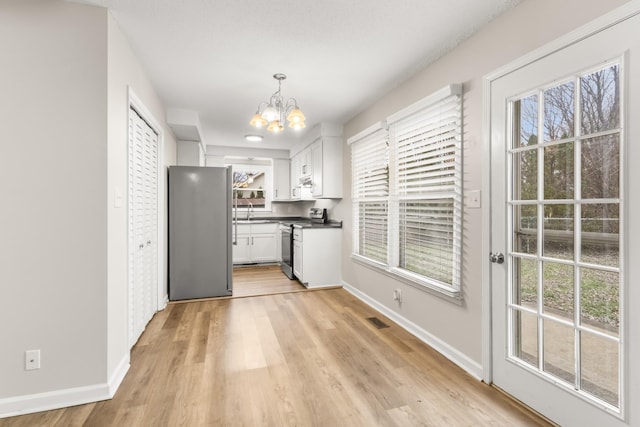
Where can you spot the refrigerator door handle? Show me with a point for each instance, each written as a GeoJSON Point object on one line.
{"type": "Point", "coordinates": [235, 218]}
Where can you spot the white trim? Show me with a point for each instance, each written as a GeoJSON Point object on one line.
{"type": "Point", "coordinates": [419, 282]}
{"type": "Point", "coordinates": [368, 131]}
{"type": "Point", "coordinates": [47, 401]}
{"type": "Point", "coordinates": [135, 102]}
{"type": "Point", "coordinates": [599, 24]}
{"type": "Point", "coordinates": [439, 95]}
{"type": "Point", "coordinates": [118, 375]}
{"type": "Point", "coordinates": [470, 366]}
{"type": "Point", "coordinates": [30, 403]}
{"type": "Point", "coordinates": [487, 337]}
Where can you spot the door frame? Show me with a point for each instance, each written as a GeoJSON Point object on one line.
{"type": "Point", "coordinates": [136, 103]}
{"type": "Point", "coordinates": [610, 19]}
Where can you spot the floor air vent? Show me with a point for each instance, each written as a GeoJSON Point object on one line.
{"type": "Point", "coordinates": [377, 323]}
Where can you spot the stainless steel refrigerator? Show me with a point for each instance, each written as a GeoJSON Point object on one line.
{"type": "Point", "coordinates": [200, 252]}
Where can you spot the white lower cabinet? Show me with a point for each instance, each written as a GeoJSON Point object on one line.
{"type": "Point", "coordinates": [256, 243]}
{"type": "Point", "coordinates": [297, 258]}
{"type": "Point", "coordinates": [242, 248]}
{"type": "Point", "coordinates": [317, 260]}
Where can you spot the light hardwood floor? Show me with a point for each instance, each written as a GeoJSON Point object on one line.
{"type": "Point", "coordinates": [262, 280]}
{"type": "Point", "coordinates": [295, 359]}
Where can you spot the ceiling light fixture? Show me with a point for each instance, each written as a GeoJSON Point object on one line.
{"type": "Point", "coordinates": [277, 109]}
{"type": "Point", "coordinates": [253, 138]}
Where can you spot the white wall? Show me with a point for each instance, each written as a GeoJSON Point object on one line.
{"type": "Point", "coordinates": [528, 26]}
{"type": "Point", "coordinates": [53, 255]}
{"type": "Point", "coordinates": [126, 73]}
{"type": "Point", "coordinates": [65, 70]}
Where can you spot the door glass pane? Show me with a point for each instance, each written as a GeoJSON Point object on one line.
{"type": "Point", "coordinates": [557, 289]}
{"type": "Point", "coordinates": [525, 165]}
{"type": "Point", "coordinates": [526, 229]}
{"type": "Point", "coordinates": [600, 300]}
{"type": "Point", "coordinates": [600, 226]}
{"type": "Point", "coordinates": [600, 167]}
{"type": "Point", "coordinates": [558, 112]}
{"type": "Point", "coordinates": [525, 282]}
{"type": "Point", "coordinates": [600, 100]}
{"type": "Point", "coordinates": [558, 231]}
{"type": "Point", "coordinates": [527, 121]}
{"type": "Point", "coordinates": [558, 171]}
{"type": "Point", "coordinates": [599, 367]}
{"type": "Point", "coordinates": [525, 339]}
{"type": "Point", "coordinates": [578, 284]}
{"type": "Point", "coordinates": [559, 350]}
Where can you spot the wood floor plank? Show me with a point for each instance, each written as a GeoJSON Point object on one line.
{"type": "Point", "coordinates": [293, 359]}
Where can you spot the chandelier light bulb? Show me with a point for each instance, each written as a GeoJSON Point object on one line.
{"type": "Point", "coordinates": [296, 116]}
{"type": "Point", "coordinates": [270, 113]}
{"type": "Point", "coordinates": [297, 125]}
{"type": "Point", "coordinates": [258, 121]}
{"type": "Point", "coordinates": [275, 126]}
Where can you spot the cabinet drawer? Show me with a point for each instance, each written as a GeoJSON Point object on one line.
{"type": "Point", "coordinates": [271, 227]}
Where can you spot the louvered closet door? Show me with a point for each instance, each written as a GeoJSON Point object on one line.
{"type": "Point", "coordinates": [143, 225]}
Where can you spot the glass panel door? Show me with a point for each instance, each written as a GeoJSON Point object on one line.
{"type": "Point", "coordinates": [565, 290]}
{"type": "Point", "coordinates": [562, 341]}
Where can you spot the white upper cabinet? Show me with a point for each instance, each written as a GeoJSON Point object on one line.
{"type": "Point", "coordinates": [318, 165]}
{"type": "Point", "coordinates": [326, 171]}
{"type": "Point", "coordinates": [281, 182]}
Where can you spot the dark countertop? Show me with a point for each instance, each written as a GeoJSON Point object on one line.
{"type": "Point", "coordinates": [297, 221]}
{"type": "Point", "coordinates": [309, 224]}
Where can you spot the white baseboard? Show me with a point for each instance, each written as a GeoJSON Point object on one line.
{"type": "Point", "coordinates": [28, 404]}
{"type": "Point", "coordinates": [118, 375]}
{"type": "Point", "coordinates": [164, 302]}
{"type": "Point", "coordinates": [472, 367]}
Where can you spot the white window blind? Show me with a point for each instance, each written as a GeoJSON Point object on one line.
{"type": "Point", "coordinates": [407, 192]}
{"type": "Point", "coordinates": [427, 144]}
{"type": "Point", "coordinates": [370, 178]}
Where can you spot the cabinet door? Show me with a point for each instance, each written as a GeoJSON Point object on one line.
{"type": "Point", "coordinates": [297, 260]}
{"type": "Point", "coordinates": [316, 158]}
{"type": "Point", "coordinates": [281, 185]}
{"type": "Point", "coordinates": [263, 247]}
{"type": "Point", "coordinates": [305, 162]}
{"type": "Point", "coordinates": [242, 250]}
{"type": "Point", "coordinates": [295, 177]}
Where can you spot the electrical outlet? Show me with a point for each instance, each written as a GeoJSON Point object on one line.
{"type": "Point", "coordinates": [31, 360]}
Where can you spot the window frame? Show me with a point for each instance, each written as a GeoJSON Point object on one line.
{"type": "Point", "coordinates": [261, 165]}
{"type": "Point", "coordinates": [391, 266]}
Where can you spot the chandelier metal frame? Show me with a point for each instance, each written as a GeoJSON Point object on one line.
{"type": "Point", "coordinates": [272, 114]}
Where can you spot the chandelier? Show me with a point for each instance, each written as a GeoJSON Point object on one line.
{"type": "Point", "coordinates": [276, 110]}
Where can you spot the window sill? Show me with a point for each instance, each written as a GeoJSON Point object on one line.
{"type": "Point", "coordinates": [447, 294]}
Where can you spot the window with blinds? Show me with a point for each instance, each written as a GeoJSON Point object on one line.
{"type": "Point", "coordinates": [370, 180]}
{"type": "Point", "coordinates": [407, 191]}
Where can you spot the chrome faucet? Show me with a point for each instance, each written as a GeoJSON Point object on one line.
{"type": "Point", "coordinates": [249, 210]}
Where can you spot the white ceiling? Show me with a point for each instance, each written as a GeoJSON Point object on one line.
{"type": "Point", "coordinates": [217, 57]}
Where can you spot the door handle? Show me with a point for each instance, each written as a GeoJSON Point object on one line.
{"type": "Point", "coordinates": [497, 257]}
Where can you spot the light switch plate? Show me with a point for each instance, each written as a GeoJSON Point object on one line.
{"type": "Point", "coordinates": [473, 199]}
